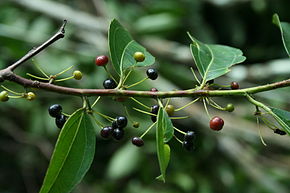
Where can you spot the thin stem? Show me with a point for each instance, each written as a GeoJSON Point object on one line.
{"type": "Point", "coordinates": [143, 105]}
{"type": "Point", "coordinates": [195, 77]}
{"type": "Point", "coordinates": [205, 108]}
{"type": "Point", "coordinates": [182, 132]}
{"type": "Point", "coordinates": [98, 122]}
{"type": "Point", "coordinates": [176, 118]}
{"type": "Point", "coordinates": [260, 134]}
{"type": "Point", "coordinates": [144, 112]}
{"type": "Point", "coordinates": [108, 72]}
{"type": "Point", "coordinates": [65, 70]}
{"type": "Point", "coordinates": [187, 105]}
{"type": "Point", "coordinates": [5, 88]}
{"type": "Point", "coordinates": [105, 116]}
{"type": "Point", "coordinates": [95, 102]}
{"type": "Point", "coordinates": [64, 79]}
{"type": "Point", "coordinates": [36, 77]}
{"type": "Point", "coordinates": [136, 83]}
{"type": "Point", "coordinates": [127, 76]}
{"type": "Point", "coordinates": [212, 103]}
{"type": "Point", "coordinates": [178, 139]}
{"type": "Point", "coordinates": [147, 130]}
{"type": "Point", "coordinates": [39, 68]}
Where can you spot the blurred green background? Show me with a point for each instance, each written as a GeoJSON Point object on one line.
{"type": "Point", "coordinates": [233, 160]}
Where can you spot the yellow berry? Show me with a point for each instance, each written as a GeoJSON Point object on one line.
{"type": "Point", "coordinates": [30, 96]}
{"type": "Point", "coordinates": [170, 109]}
{"type": "Point", "coordinates": [4, 96]}
{"type": "Point", "coordinates": [77, 75]}
{"type": "Point", "coordinates": [139, 56]}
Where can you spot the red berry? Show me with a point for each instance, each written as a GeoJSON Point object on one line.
{"type": "Point", "coordinates": [216, 123]}
{"type": "Point", "coordinates": [137, 141]}
{"type": "Point", "coordinates": [235, 85]}
{"type": "Point", "coordinates": [154, 90]}
{"type": "Point", "coordinates": [102, 60]}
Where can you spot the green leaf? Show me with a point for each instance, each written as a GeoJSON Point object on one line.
{"type": "Point", "coordinates": [282, 117]}
{"type": "Point", "coordinates": [285, 32]}
{"type": "Point", "coordinates": [214, 60]}
{"type": "Point", "coordinates": [163, 150]}
{"type": "Point", "coordinates": [72, 156]}
{"type": "Point", "coordinates": [122, 48]}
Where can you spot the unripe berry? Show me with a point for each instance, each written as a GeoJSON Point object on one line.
{"type": "Point", "coordinates": [101, 60]}
{"type": "Point", "coordinates": [230, 107]}
{"type": "Point", "coordinates": [152, 73]}
{"type": "Point", "coordinates": [139, 56]}
{"type": "Point", "coordinates": [4, 96]}
{"type": "Point", "coordinates": [30, 96]}
{"type": "Point", "coordinates": [136, 124]}
{"type": "Point", "coordinates": [170, 110]}
{"type": "Point", "coordinates": [77, 75]}
{"type": "Point", "coordinates": [216, 123]}
{"type": "Point", "coordinates": [137, 141]}
{"type": "Point", "coordinates": [235, 85]}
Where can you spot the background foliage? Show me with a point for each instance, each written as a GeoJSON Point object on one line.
{"type": "Point", "coordinates": [233, 160]}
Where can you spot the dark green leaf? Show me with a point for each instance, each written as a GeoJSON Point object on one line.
{"type": "Point", "coordinates": [285, 32]}
{"type": "Point", "coordinates": [72, 156]}
{"type": "Point", "coordinates": [214, 60]}
{"type": "Point", "coordinates": [283, 118]}
{"type": "Point", "coordinates": [163, 150]}
{"type": "Point", "coordinates": [123, 47]}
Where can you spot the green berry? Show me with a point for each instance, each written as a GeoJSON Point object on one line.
{"type": "Point", "coordinates": [77, 75]}
{"type": "Point", "coordinates": [136, 124]}
{"type": "Point", "coordinates": [230, 107]}
{"type": "Point", "coordinates": [30, 96]}
{"type": "Point", "coordinates": [139, 56]}
{"type": "Point", "coordinates": [4, 96]}
{"type": "Point", "coordinates": [170, 110]}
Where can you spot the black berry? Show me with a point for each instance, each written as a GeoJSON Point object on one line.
{"type": "Point", "coordinates": [216, 123]}
{"type": "Point", "coordinates": [137, 141]}
{"type": "Point", "coordinates": [279, 132]}
{"type": "Point", "coordinates": [121, 121]}
{"type": "Point", "coordinates": [55, 110]}
{"type": "Point", "coordinates": [106, 132]}
{"type": "Point", "coordinates": [235, 85]}
{"type": "Point", "coordinates": [154, 109]}
{"type": "Point", "coordinates": [114, 125]}
{"type": "Point", "coordinates": [189, 136]}
{"type": "Point", "coordinates": [60, 121]}
{"type": "Point", "coordinates": [152, 73]}
{"type": "Point", "coordinates": [101, 60]}
{"type": "Point", "coordinates": [210, 81]}
{"type": "Point", "coordinates": [118, 133]}
{"type": "Point", "coordinates": [109, 84]}
{"type": "Point", "coordinates": [188, 145]}
{"type": "Point", "coordinates": [153, 118]}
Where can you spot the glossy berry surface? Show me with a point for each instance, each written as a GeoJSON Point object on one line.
{"type": "Point", "coordinates": [210, 81]}
{"type": "Point", "coordinates": [118, 133]}
{"type": "Point", "coordinates": [152, 73]}
{"type": "Point", "coordinates": [188, 145]}
{"type": "Point", "coordinates": [235, 85]}
{"type": "Point", "coordinates": [106, 132]}
{"type": "Point", "coordinates": [121, 121]}
{"type": "Point", "coordinates": [137, 141]}
{"type": "Point", "coordinates": [154, 118]}
{"type": "Point", "coordinates": [109, 84]}
{"type": "Point", "coordinates": [60, 121]}
{"type": "Point", "coordinates": [102, 60]}
{"type": "Point", "coordinates": [77, 75]}
{"type": "Point", "coordinates": [189, 136]}
{"type": "Point", "coordinates": [154, 109]}
{"type": "Point", "coordinates": [170, 110]}
{"type": "Point", "coordinates": [139, 56]}
{"type": "Point", "coordinates": [216, 123]}
{"type": "Point", "coordinates": [30, 96]}
{"type": "Point", "coordinates": [279, 132]}
{"type": "Point", "coordinates": [230, 107]}
{"type": "Point", "coordinates": [4, 96]}
{"type": "Point", "coordinates": [55, 110]}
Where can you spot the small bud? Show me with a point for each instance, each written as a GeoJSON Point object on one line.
{"type": "Point", "coordinates": [30, 96]}
{"type": "Point", "coordinates": [77, 75]}
{"type": "Point", "coordinates": [4, 96]}
{"type": "Point", "coordinates": [230, 107]}
{"type": "Point", "coordinates": [139, 56]}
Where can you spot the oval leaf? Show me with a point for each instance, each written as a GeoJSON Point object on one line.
{"type": "Point", "coordinates": [163, 150]}
{"type": "Point", "coordinates": [285, 32]}
{"type": "Point", "coordinates": [214, 60]}
{"type": "Point", "coordinates": [72, 156]}
{"type": "Point", "coordinates": [283, 118]}
{"type": "Point", "coordinates": [122, 48]}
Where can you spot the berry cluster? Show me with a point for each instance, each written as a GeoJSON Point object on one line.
{"type": "Point", "coordinates": [56, 112]}
{"type": "Point", "coordinates": [188, 140]}
{"type": "Point", "coordinates": [116, 130]}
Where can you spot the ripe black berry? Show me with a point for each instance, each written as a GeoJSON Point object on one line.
{"type": "Point", "coordinates": [121, 121]}
{"type": "Point", "coordinates": [216, 123]}
{"type": "Point", "coordinates": [118, 133]}
{"type": "Point", "coordinates": [137, 141]}
{"type": "Point", "coordinates": [188, 145]}
{"type": "Point", "coordinates": [189, 136]}
{"type": "Point", "coordinates": [101, 60]}
{"type": "Point", "coordinates": [210, 81]}
{"type": "Point", "coordinates": [109, 84]}
{"type": "Point", "coordinates": [106, 132]}
{"type": "Point", "coordinates": [152, 73]}
{"type": "Point", "coordinates": [55, 110]}
{"type": "Point", "coordinates": [114, 124]}
{"type": "Point", "coordinates": [153, 118]}
{"type": "Point", "coordinates": [154, 109]}
{"type": "Point", "coordinates": [279, 132]}
{"type": "Point", "coordinates": [235, 85]}
{"type": "Point", "coordinates": [60, 121]}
